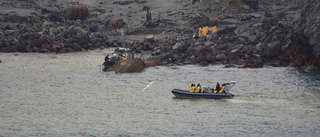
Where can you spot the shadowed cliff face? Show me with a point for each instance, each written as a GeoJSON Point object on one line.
{"type": "Point", "coordinates": [305, 48]}
{"type": "Point", "coordinates": [302, 39]}
{"type": "Point", "coordinates": [301, 53]}
{"type": "Point", "coordinates": [310, 24]}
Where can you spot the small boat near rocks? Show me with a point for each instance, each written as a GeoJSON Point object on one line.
{"type": "Point", "coordinates": [207, 93]}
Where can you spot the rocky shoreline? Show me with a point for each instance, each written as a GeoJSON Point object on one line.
{"type": "Point", "coordinates": [271, 34]}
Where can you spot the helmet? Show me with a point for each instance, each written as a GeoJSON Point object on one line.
{"type": "Point", "coordinates": [107, 55]}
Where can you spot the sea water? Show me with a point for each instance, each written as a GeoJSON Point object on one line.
{"type": "Point", "coordinates": [68, 95]}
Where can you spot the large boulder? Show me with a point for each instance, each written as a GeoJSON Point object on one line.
{"type": "Point", "coordinates": [227, 29]}
{"type": "Point", "coordinates": [115, 24]}
{"type": "Point", "coordinates": [221, 57]}
{"type": "Point", "coordinates": [78, 11]}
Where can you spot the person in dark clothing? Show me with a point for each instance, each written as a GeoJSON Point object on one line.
{"type": "Point", "coordinates": [106, 59]}
{"type": "Point", "coordinates": [218, 88]}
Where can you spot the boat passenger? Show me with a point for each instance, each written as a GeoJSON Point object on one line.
{"type": "Point", "coordinates": [198, 90]}
{"type": "Point", "coordinates": [212, 89]}
{"type": "Point", "coordinates": [222, 89]}
{"type": "Point", "coordinates": [193, 88]}
{"type": "Point", "coordinates": [218, 88]}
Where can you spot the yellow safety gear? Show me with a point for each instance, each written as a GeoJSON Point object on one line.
{"type": "Point", "coordinates": [200, 32]}
{"type": "Point", "coordinates": [192, 89]}
{"type": "Point", "coordinates": [222, 89]}
{"type": "Point", "coordinates": [123, 58]}
{"type": "Point", "coordinates": [205, 31]}
{"type": "Point", "coordinates": [213, 29]}
{"type": "Point", "coordinates": [198, 89]}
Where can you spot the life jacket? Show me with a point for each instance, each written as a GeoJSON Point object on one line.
{"type": "Point", "coordinates": [198, 89]}
{"type": "Point", "coordinates": [192, 89]}
{"type": "Point", "coordinates": [205, 31]}
{"type": "Point", "coordinates": [222, 89]}
{"type": "Point", "coordinates": [213, 29]}
{"type": "Point", "coordinates": [200, 32]}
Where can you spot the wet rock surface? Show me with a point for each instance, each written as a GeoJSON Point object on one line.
{"type": "Point", "coordinates": [274, 33]}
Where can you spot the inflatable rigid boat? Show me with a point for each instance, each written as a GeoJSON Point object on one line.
{"type": "Point", "coordinates": [208, 94]}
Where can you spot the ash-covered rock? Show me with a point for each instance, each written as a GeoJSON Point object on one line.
{"type": "Point", "coordinates": [276, 33]}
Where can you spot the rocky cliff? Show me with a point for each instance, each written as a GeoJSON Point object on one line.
{"type": "Point", "coordinates": [309, 24]}
{"type": "Point", "coordinates": [305, 46]}
{"type": "Point", "coordinates": [251, 33]}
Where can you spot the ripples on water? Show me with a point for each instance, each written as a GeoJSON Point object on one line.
{"type": "Point", "coordinates": [67, 95]}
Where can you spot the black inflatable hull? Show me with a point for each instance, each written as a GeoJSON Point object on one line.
{"type": "Point", "coordinates": [186, 94]}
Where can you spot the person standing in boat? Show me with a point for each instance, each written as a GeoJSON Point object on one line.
{"type": "Point", "coordinates": [198, 90]}
{"type": "Point", "coordinates": [218, 88]}
{"type": "Point", "coordinates": [193, 88]}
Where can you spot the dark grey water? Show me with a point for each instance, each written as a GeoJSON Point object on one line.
{"type": "Point", "coordinates": [67, 95]}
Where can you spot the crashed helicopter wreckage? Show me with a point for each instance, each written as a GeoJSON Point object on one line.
{"type": "Point", "coordinates": [128, 64]}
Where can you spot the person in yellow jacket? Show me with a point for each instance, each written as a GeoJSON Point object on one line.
{"type": "Point", "coordinates": [193, 88]}
{"type": "Point", "coordinates": [200, 32]}
{"type": "Point", "coordinates": [213, 29]}
{"type": "Point", "coordinates": [205, 31]}
{"type": "Point", "coordinates": [222, 88]}
{"type": "Point", "coordinates": [198, 90]}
